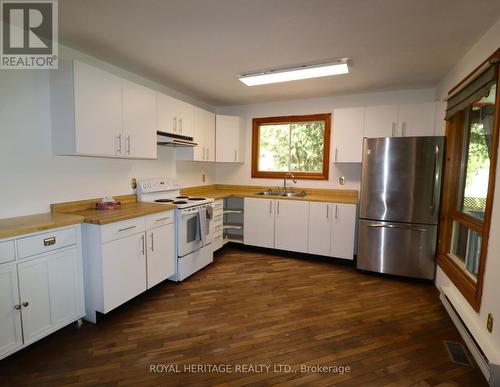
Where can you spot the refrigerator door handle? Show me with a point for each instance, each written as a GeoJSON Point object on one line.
{"type": "Point", "coordinates": [434, 180]}
{"type": "Point", "coordinates": [411, 228]}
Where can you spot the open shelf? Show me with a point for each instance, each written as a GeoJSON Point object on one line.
{"type": "Point", "coordinates": [233, 211]}
{"type": "Point", "coordinates": [235, 238]}
{"type": "Point", "coordinates": [232, 226]}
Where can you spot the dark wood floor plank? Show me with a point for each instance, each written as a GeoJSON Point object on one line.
{"type": "Point", "coordinates": [254, 307]}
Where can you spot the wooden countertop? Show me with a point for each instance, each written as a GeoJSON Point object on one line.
{"type": "Point", "coordinates": [130, 209]}
{"type": "Point", "coordinates": [221, 191]}
{"type": "Point", "coordinates": [20, 225]}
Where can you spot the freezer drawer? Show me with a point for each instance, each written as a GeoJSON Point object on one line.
{"type": "Point", "coordinates": [397, 248]}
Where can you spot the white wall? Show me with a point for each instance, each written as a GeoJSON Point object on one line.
{"type": "Point", "coordinates": [32, 177]}
{"type": "Point", "coordinates": [491, 290]}
{"type": "Point", "coordinates": [241, 173]}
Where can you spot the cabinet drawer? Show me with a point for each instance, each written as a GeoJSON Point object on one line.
{"type": "Point", "coordinates": [7, 251]}
{"type": "Point", "coordinates": [49, 241]}
{"type": "Point", "coordinates": [122, 229]}
{"type": "Point", "coordinates": [159, 219]}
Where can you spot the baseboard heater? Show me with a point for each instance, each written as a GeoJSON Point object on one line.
{"type": "Point", "coordinates": [491, 371]}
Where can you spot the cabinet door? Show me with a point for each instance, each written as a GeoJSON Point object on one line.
{"type": "Point", "coordinates": [348, 135]}
{"type": "Point", "coordinates": [166, 113]}
{"type": "Point", "coordinates": [204, 135]}
{"type": "Point", "coordinates": [10, 316]}
{"type": "Point", "coordinates": [291, 225]}
{"type": "Point", "coordinates": [259, 222]}
{"type": "Point", "coordinates": [66, 287]}
{"type": "Point", "coordinates": [417, 119]}
{"type": "Point", "coordinates": [139, 121]}
{"type": "Point", "coordinates": [124, 270]}
{"type": "Point", "coordinates": [320, 224]}
{"type": "Point", "coordinates": [161, 255]}
{"type": "Point", "coordinates": [98, 111]}
{"type": "Point", "coordinates": [35, 298]}
{"type": "Point", "coordinates": [227, 134]}
{"type": "Point", "coordinates": [185, 119]}
{"type": "Point", "coordinates": [343, 231]}
{"type": "Point", "coordinates": [381, 121]}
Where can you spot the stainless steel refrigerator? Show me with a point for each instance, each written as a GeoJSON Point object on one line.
{"type": "Point", "coordinates": [399, 205]}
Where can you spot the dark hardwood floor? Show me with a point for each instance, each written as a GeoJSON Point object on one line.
{"type": "Point", "coordinates": [251, 307]}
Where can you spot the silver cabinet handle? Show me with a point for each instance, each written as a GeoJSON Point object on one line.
{"type": "Point", "coordinates": [278, 209]}
{"type": "Point", "coordinates": [398, 227]}
{"type": "Point", "coordinates": [403, 128]}
{"type": "Point", "coordinates": [435, 177]}
{"type": "Point", "coordinates": [180, 125]}
{"type": "Point", "coordinates": [336, 211]}
{"type": "Point", "coordinates": [152, 242]}
{"type": "Point", "coordinates": [393, 129]}
{"type": "Point", "coordinates": [25, 304]}
{"type": "Point", "coordinates": [270, 206]}
{"type": "Point", "coordinates": [119, 148]}
{"type": "Point", "coordinates": [336, 153]}
{"type": "Point", "coordinates": [126, 228]}
{"type": "Point", "coordinates": [49, 241]}
{"type": "Point", "coordinates": [128, 144]}
{"type": "Point", "coordinates": [143, 239]}
{"type": "Point", "coordinates": [165, 218]}
{"type": "Point", "coordinates": [17, 307]}
{"type": "Point", "coordinates": [327, 211]}
{"type": "Point", "coordinates": [174, 126]}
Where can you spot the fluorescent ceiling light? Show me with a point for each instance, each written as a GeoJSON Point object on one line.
{"type": "Point", "coordinates": [296, 73]}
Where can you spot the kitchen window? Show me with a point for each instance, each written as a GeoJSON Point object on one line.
{"type": "Point", "coordinates": [297, 144]}
{"type": "Point", "coordinates": [472, 142]}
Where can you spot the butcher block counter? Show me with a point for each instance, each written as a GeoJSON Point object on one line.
{"type": "Point", "coordinates": [222, 191]}
{"type": "Point", "coordinates": [33, 223]}
{"type": "Point", "coordinates": [130, 208]}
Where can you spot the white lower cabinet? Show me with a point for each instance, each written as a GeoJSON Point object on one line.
{"type": "Point", "coordinates": [125, 258]}
{"type": "Point", "coordinates": [43, 292]}
{"type": "Point", "coordinates": [290, 225]}
{"type": "Point", "coordinates": [320, 228]}
{"type": "Point", "coordinates": [343, 231]}
{"type": "Point", "coordinates": [11, 336]}
{"type": "Point", "coordinates": [259, 222]}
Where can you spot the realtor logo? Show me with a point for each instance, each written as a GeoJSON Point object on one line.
{"type": "Point", "coordinates": [29, 34]}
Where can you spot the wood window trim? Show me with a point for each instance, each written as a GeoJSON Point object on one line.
{"type": "Point", "coordinates": [256, 122]}
{"type": "Point", "coordinates": [470, 289]}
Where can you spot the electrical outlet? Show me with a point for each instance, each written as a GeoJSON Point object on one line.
{"type": "Point", "coordinates": [489, 323]}
{"type": "Point", "coordinates": [203, 177]}
{"type": "Point", "coordinates": [133, 183]}
{"type": "Point", "coordinates": [342, 180]}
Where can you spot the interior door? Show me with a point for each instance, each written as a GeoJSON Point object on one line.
{"type": "Point", "coordinates": [98, 111]}
{"type": "Point", "coordinates": [11, 335]}
{"type": "Point", "coordinates": [291, 225]}
{"type": "Point", "coordinates": [161, 254]}
{"type": "Point", "coordinates": [139, 121]}
{"type": "Point", "coordinates": [34, 293]}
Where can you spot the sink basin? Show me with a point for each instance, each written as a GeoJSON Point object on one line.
{"type": "Point", "coordinates": [287, 194]}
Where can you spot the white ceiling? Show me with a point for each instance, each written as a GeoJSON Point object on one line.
{"type": "Point", "coordinates": [200, 46]}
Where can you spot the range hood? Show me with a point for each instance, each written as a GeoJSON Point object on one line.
{"type": "Point", "coordinates": [177, 140]}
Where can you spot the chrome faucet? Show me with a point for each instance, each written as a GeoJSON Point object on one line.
{"type": "Point", "coordinates": [284, 180]}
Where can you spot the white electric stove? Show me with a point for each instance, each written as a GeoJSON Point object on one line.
{"type": "Point", "coordinates": [193, 223]}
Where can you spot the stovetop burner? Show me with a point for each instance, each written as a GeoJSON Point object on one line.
{"type": "Point", "coordinates": [182, 197]}
{"type": "Point", "coordinates": [164, 201]}
{"type": "Point", "coordinates": [180, 202]}
{"type": "Point", "coordinates": [196, 199]}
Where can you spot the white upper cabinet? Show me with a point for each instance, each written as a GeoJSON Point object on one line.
{"type": "Point", "coordinates": [95, 113]}
{"type": "Point", "coordinates": [381, 121]}
{"type": "Point", "coordinates": [230, 139]}
{"type": "Point", "coordinates": [416, 119]}
{"type": "Point", "coordinates": [320, 228]}
{"type": "Point", "coordinates": [347, 134]}
{"type": "Point", "coordinates": [291, 225]}
{"type": "Point", "coordinates": [175, 116]}
{"type": "Point", "coordinates": [204, 135]}
{"type": "Point", "coordinates": [139, 120]}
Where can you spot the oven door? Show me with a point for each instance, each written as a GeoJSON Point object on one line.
{"type": "Point", "coordinates": [188, 235]}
